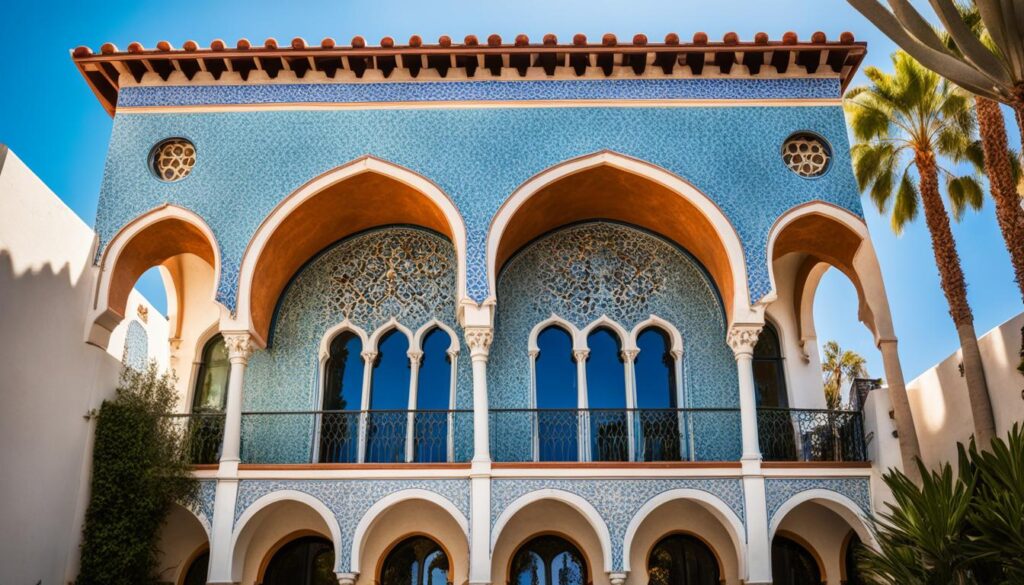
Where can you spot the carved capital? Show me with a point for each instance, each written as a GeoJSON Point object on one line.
{"type": "Point", "coordinates": [479, 341]}
{"type": "Point", "coordinates": [743, 338]}
{"type": "Point", "coordinates": [346, 578]}
{"type": "Point", "coordinates": [580, 355]}
{"type": "Point", "coordinates": [617, 578]}
{"type": "Point", "coordinates": [452, 354]}
{"type": "Point", "coordinates": [369, 356]}
{"type": "Point", "coordinates": [677, 354]}
{"type": "Point", "coordinates": [629, 355]}
{"type": "Point", "coordinates": [239, 346]}
{"type": "Point", "coordinates": [415, 357]}
{"type": "Point", "coordinates": [533, 353]}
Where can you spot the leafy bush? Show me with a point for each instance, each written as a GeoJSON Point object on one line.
{"type": "Point", "coordinates": [139, 471]}
{"type": "Point", "coordinates": [964, 529]}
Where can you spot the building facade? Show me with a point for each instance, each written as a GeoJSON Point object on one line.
{"type": "Point", "coordinates": [493, 313]}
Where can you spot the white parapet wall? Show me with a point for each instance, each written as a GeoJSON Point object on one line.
{"type": "Point", "coordinates": [50, 379]}
{"type": "Point", "coordinates": [938, 397]}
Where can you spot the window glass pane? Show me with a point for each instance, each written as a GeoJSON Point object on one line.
{"type": "Point", "coordinates": [196, 574]}
{"type": "Point", "coordinates": [548, 559]}
{"type": "Point", "coordinates": [212, 381]}
{"type": "Point", "coordinates": [433, 395]}
{"type": "Point", "coordinates": [655, 370]}
{"type": "Point", "coordinates": [304, 561]}
{"type": "Point", "coordinates": [343, 391]}
{"type": "Point", "coordinates": [343, 388]}
{"type": "Point", "coordinates": [415, 561]}
{"type": "Point", "coordinates": [792, 564]}
{"type": "Point", "coordinates": [556, 371]}
{"type": "Point", "coordinates": [558, 427]}
{"type": "Point", "coordinates": [606, 381]}
{"type": "Point", "coordinates": [681, 559]}
{"type": "Point", "coordinates": [386, 431]}
{"type": "Point", "coordinates": [768, 343]}
{"type": "Point", "coordinates": [769, 375]}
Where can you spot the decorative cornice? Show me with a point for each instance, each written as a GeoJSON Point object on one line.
{"type": "Point", "coordinates": [743, 338]}
{"type": "Point", "coordinates": [239, 346]}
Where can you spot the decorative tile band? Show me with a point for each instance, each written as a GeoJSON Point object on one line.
{"type": "Point", "coordinates": [617, 501]}
{"type": "Point", "coordinates": [778, 491]}
{"type": "Point", "coordinates": [350, 499]}
{"type": "Point", "coordinates": [482, 91]}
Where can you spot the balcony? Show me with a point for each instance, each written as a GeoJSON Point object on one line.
{"type": "Point", "coordinates": [528, 435]}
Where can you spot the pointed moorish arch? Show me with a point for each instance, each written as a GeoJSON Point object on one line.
{"type": "Point", "coordinates": [155, 238]}
{"type": "Point", "coordinates": [607, 185]}
{"type": "Point", "coordinates": [363, 194]}
{"type": "Point", "coordinates": [830, 236]}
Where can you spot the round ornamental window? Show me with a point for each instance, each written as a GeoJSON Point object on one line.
{"type": "Point", "coordinates": [173, 159]}
{"type": "Point", "coordinates": [806, 155]}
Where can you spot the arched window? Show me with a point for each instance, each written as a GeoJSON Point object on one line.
{"type": "Point", "coordinates": [774, 428]}
{"type": "Point", "coordinates": [851, 568]}
{"type": "Point", "coordinates": [433, 395]}
{"type": "Point", "coordinates": [793, 564]}
{"type": "Point", "coordinates": [769, 372]}
{"type": "Point", "coordinates": [197, 569]}
{"type": "Point", "coordinates": [681, 559]}
{"type": "Point", "coordinates": [606, 397]}
{"type": "Point", "coordinates": [386, 430]}
{"type": "Point", "coordinates": [557, 398]}
{"type": "Point", "coordinates": [342, 396]}
{"type": "Point", "coordinates": [548, 560]}
{"type": "Point", "coordinates": [308, 560]}
{"type": "Point", "coordinates": [656, 396]}
{"type": "Point", "coordinates": [211, 391]}
{"type": "Point", "coordinates": [415, 561]}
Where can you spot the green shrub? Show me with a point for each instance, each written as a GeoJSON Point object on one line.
{"type": "Point", "coordinates": [962, 528]}
{"type": "Point", "coordinates": [139, 471]}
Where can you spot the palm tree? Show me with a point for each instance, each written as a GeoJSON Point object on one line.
{"type": "Point", "coordinates": [903, 123]}
{"type": "Point", "coordinates": [837, 365]}
{"type": "Point", "coordinates": [1001, 164]}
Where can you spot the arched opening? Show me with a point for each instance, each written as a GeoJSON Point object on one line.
{"type": "Point", "coordinates": [793, 563]}
{"type": "Point", "coordinates": [389, 400]}
{"type": "Point", "coordinates": [610, 186]}
{"type": "Point", "coordinates": [850, 568]}
{"type": "Point", "coordinates": [683, 559]}
{"type": "Point", "coordinates": [183, 246]}
{"type": "Point", "coordinates": [211, 391]}
{"type": "Point", "coordinates": [342, 399]}
{"type": "Point", "coordinates": [556, 396]}
{"type": "Point", "coordinates": [657, 397]}
{"type": "Point", "coordinates": [606, 397]}
{"type": "Point", "coordinates": [548, 559]}
{"type": "Point", "coordinates": [820, 522]}
{"type": "Point", "coordinates": [197, 568]}
{"type": "Point", "coordinates": [417, 560]}
{"type": "Point", "coordinates": [434, 399]}
{"type": "Point", "coordinates": [364, 194]}
{"type": "Point", "coordinates": [306, 560]}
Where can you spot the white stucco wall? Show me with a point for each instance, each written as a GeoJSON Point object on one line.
{"type": "Point", "coordinates": [51, 377]}
{"type": "Point", "coordinates": [803, 364]}
{"type": "Point", "coordinates": [938, 397]}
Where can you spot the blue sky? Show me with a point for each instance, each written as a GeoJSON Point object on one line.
{"type": "Point", "coordinates": [51, 120]}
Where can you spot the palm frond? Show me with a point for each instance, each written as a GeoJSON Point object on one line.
{"type": "Point", "coordinates": [905, 207]}
{"type": "Point", "coordinates": [964, 192]}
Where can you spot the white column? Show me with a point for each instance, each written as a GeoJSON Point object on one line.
{"type": "Point", "coordinates": [686, 443]}
{"type": "Point", "coordinates": [453, 359]}
{"type": "Point", "coordinates": [742, 339]}
{"type": "Point", "coordinates": [479, 338]}
{"type": "Point", "coordinates": [364, 402]}
{"type": "Point", "coordinates": [415, 360]}
{"type": "Point", "coordinates": [583, 418]}
{"type": "Point", "coordinates": [909, 446]}
{"type": "Point", "coordinates": [759, 548]}
{"type": "Point", "coordinates": [479, 341]}
{"type": "Point", "coordinates": [534, 416]}
{"type": "Point", "coordinates": [239, 346]}
{"type": "Point", "coordinates": [628, 360]}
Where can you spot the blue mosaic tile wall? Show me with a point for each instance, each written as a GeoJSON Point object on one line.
{"type": "Point", "coordinates": [249, 161]}
{"type": "Point", "coordinates": [617, 501]}
{"type": "Point", "coordinates": [136, 346]}
{"type": "Point", "coordinates": [432, 91]}
{"type": "Point", "coordinates": [585, 271]}
{"type": "Point", "coordinates": [350, 499]}
{"type": "Point", "coordinates": [406, 273]}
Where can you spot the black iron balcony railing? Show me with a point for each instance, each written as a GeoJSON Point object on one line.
{"type": "Point", "coordinates": [371, 436]}
{"type": "Point", "coordinates": [202, 435]}
{"type": "Point", "coordinates": [615, 434]}
{"type": "Point", "coordinates": [787, 434]}
{"type": "Point", "coordinates": [525, 435]}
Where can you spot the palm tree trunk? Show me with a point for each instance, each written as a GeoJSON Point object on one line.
{"type": "Point", "coordinates": [954, 286]}
{"type": "Point", "coordinates": [1009, 214]}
